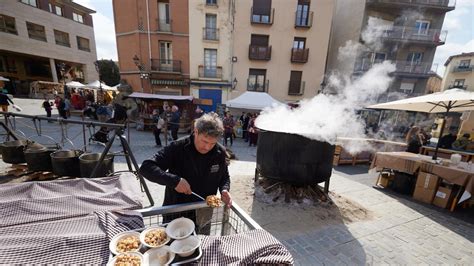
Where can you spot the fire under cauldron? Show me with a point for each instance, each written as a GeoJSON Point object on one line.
{"type": "Point", "coordinates": [294, 159]}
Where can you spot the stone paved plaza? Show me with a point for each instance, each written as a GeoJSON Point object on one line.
{"type": "Point", "coordinates": [398, 231]}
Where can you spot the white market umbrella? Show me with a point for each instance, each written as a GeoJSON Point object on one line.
{"type": "Point", "coordinates": [75, 84]}
{"type": "Point", "coordinates": [3, 79]}
{"type": "Point", "coordinates": [453, 100]}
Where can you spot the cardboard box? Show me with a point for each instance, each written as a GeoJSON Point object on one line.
{"type": "Point", "coordinates": [385, 179]}
{"type": "Point", "coordinates": [426, 187]}
{"type": "Point", "coordinates": [442, 196]}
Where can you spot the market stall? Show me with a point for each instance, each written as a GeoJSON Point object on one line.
{"type": "Point", "coordinates": [42, 89]}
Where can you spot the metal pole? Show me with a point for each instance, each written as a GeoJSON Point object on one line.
{"type": "Point", "coordinates": [102, 156]}
{"type": "Point", "coordinates": [435, 155]}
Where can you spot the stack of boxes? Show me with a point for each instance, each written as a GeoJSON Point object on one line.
{"type": "Point", "coordinates": [432, 190]}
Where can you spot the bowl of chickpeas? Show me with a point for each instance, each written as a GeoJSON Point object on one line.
{"type": "Point", "coordinates": [154, 237]}
{"type": "Point", "coordinates": [127, 259]}
{"type": "Point", "coordinates": [125, 242]}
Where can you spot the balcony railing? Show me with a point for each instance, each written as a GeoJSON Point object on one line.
{"type": "Point", "coordinates": [448, 4]}
{"type": "Point", "coordinates": [462, 87]}
{"type": "Point", "coordinates": [296, 87]}
{"type": "Point", "coordinates": [252, 85]}
{"type": "Point", "coordinates": [433, 36]}
{"type": "Point", "coordinates": [166, 65]}
{"type": "Point", "coordinates": [299, 55]}
{"type": "Point", "coordinates": [401, 67]}
{"type": "Point", "coordinates": [257, 52]}
{"type": "Point", "coordinates": [463, 68]}
{"type": "Point", "coordinates": [164, 25]}
{"type": "Point", "coordinates": [211, 34]}
{"type": "Point", "coordinates": [304, 19]}
{"type": "Point", "coordinates": [210, 72]}
{"type": "Point", "coordinates": [262, 16]}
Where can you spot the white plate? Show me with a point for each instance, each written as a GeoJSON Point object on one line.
{"type": "Point", "coordinates": [180, 228]}
{"type": "Point", "coordinates": [185, 247]}
{"type": "Point", "coordinates": [112, 261]}
{"type": "Point", "coordinates": [114, 241]}
{"type": "Point", "coordinates": [151, 256]}
{"type": "Point", "coordinates": [151, 228]}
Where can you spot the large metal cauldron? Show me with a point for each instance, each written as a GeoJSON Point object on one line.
{"type": "Point", "coordinates": [39, 158]}
{"type": "Point", "coordinates": [13, 151]}
{"type": "Point", "coordinates": [293, 158]}
{"type": "Point", "coordinates": [88, 161]}
{"type": "Point", "coordinates": [66, 163]}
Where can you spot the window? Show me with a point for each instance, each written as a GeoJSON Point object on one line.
{"type": "Point", "coordinates": [295, 83]}
{"type": "Point", "coordinates": [55, 9]}
{"type": "Point", "coordinates": [166, 51]}
{"type": "Point", "coordinates": [414, 58]}
{"type": "Point", "coordinates": [458, 83]}
{"type": "Point", "coordinates": [62, 38]}
{"type": "Point", "coordinates": [261, 11]}
{"type": "Point", "coordinates": [210, 63]}
{"type": "Point", "coordinates": [257, 80]}
{"type": "Point", "coordinates": [30, 2]}
{"type": "Point", "coordinates": [379, 58]}
{"type": "Point", "coordinates": [465, 63]}
{"type": "Point", "coordinates": [164, 16]}
{"type": "Point", "coordinates": [36, 31]}
{"type": "Point", "coordinates": [422, 27]}
{"type": "Point", "coordinates": [259, 40]}
{"type": "Point", "coordinates": [302, 13]}
{"type": "Point", "coordinates": [407, 87]}
{"type": "Point", "coordinates": [211, 27]}
{"type": "Point", "coordinates": [299, 43]}
{"type": "Point", "coordinates": [259, 49]}
{"type": "Point", "coordinates": [7, 24]}
{"type": "Point", "coordinates": [83, 44]}
{"type": "Point", "coordinates": [211, 2]}
{"type": "Point", "coordinates": [77, 17]}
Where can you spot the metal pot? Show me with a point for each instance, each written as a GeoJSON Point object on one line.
{"type": "Point", "coordinates": [39, 159]}
{"type": "Point", "coordinates": [13, 151]}
{"type": "Point", "coordinates": [88, 161]}
{"type": "Point", "coordinates": [66, 163]}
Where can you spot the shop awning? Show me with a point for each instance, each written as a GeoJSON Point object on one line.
{"type": "Point", "coordinates": [169, 82]}
{"type": "Point", "coordinates": [142, 95]}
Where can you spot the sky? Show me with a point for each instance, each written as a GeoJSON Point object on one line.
{"type": "Point", "coordinates": [459, 23]}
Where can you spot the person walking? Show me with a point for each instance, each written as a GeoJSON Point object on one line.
{"type": "Point", "coordinates": [160, 124]}
{"type": "Point", "coordinates": [61, 105]}
{"type": "Point", "coordinates": [174, 122]}
{"type": "Point", "coordinates": [228, 128]}
{"type": "Point", "coordinates": [253, 131]}
{"type": "Point", "coordinates": [5, 102]}
{"type": "Point", "coordinates": [47, 107]}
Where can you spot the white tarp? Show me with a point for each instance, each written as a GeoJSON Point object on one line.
{"type": "Point", "coordinates": [253, 101]}
{"type": "Point", "coordinates": [75, 84]}
{"type": "Point", "coordinates": [97, 85]}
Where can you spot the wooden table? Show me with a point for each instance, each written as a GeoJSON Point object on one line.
{"type": "Point", "coordinates": [445, 153]}
{"type": "Point", "coordinates": [411, 163]}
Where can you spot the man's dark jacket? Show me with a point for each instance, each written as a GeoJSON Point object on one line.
{"type": "Point", "coordinates": [205, 173]}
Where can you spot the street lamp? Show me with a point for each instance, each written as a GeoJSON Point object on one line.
{"type": "Point", "coordinates": [234, 83]}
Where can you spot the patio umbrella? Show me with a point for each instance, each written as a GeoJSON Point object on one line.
{"type": "Point", "coordinates": [453, 100]}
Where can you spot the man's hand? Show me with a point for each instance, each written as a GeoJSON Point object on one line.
{"type": "Point", "coordinates": [226, 198]}
{"type": "Point", "coordinates": [183, 187]}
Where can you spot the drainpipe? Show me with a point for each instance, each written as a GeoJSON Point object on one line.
{"type": "Point", "coordinates": [232, 18]}
{"type": "Point", "coordinates": [149, 38]}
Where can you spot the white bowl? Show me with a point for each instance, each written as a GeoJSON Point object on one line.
{"type": "Point", "coordinates": [153, 256]}
{"type": "Point", "coordinates": [151, 228]}
{"type": "Point", "coordinates": [114, 259]}
{"type": "Point", "coordinates": [180, 228]}
{"type": "Point", "coordinates": [118, 237]}
{"type": "Point", "coordinates": [185, 247]}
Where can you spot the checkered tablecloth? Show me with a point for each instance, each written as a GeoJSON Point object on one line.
{"type": "Point", "coordinates": [252, 247]}
{"type": "Point", "coordinates": [64, 222]}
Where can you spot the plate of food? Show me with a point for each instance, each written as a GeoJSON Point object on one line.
{"type": "Point", "coordinates": [213, 201]}
{"type": "Point", "coordinates": [128, 258]}
{"type": "Point", "coordinates": [125, 242]}
{"type": "Point", "coordinates": [159, 256]}
{"type": "Point", "coordinates": [154, 237]}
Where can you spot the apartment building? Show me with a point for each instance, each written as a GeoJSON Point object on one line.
{"type": "Point", "coordinates": [153, 45]}
{"type": "Point", "coordinates": [459, 74]}
{"type": "Point", "coordinates": [280, 47]}
{"type": "Point", "coordinates": [47, 40]}
{"type": "Point", "coordinates": [406, 32]}
{"type": "Point", "coordinates": [210, 50]}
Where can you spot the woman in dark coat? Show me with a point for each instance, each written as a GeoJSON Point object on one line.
{"type": "Point", "coordinates": [414, 140]}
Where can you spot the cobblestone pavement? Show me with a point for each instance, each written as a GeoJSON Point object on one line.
{"type": "Point", "coordinates": [402, 231]}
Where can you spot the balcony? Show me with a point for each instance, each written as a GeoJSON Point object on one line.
{"type": "Point", "coordinates": [446, 5]}
{"type": "Point", "coordinates": [299, 55]}
{"type": "Point", "coordinates": [411, 34]}
{"type": "Point", "coordinates": [210, 72]}
{"type": "Point", "coordinates": [257, 52]}
{"type": "Point", "coordinates": [210, 34]}
{"type": "Point", "coordinates": [303, 19]}
{"type": "Point", "coordinates": [462, 87]}
{"type": "Point", "coordinates": [166, 65]}
{"type": "Point", "coordinates": [403, 68]}
{"type": "Point", "coordinates": [164, 25]}
{"type": "Point", "coordinates": [296, 87]}
{"type": "Point", "coordinates": [261, 86]}
{"type": "Point", "coordinates": [262, 16]}
{"type": "Point", "coordinates": [463, 68]}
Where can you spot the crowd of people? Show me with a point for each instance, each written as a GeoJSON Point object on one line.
{"type": "Point", "coordinates": [417, 137]}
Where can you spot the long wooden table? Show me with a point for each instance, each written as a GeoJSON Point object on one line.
{"type": "Point", "coordinates": [446, 153]}
{"type": "Point", "coordinates": [411, 163]}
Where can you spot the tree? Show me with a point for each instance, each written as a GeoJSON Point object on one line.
{"type": "Point", "coordinates": [108, 71]}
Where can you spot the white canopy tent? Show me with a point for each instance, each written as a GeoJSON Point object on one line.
{"type": "Point", "coordinates": [252, 101]}
{"type": "Point", "coordinates": [97, 85]}
{"type": "Point", "coordinates": [75, 84]}
{"type": "Point", "coordinates": [3, 79]}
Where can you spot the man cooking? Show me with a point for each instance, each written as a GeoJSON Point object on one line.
{"type": "Point", "coordinates": [192, 164]}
